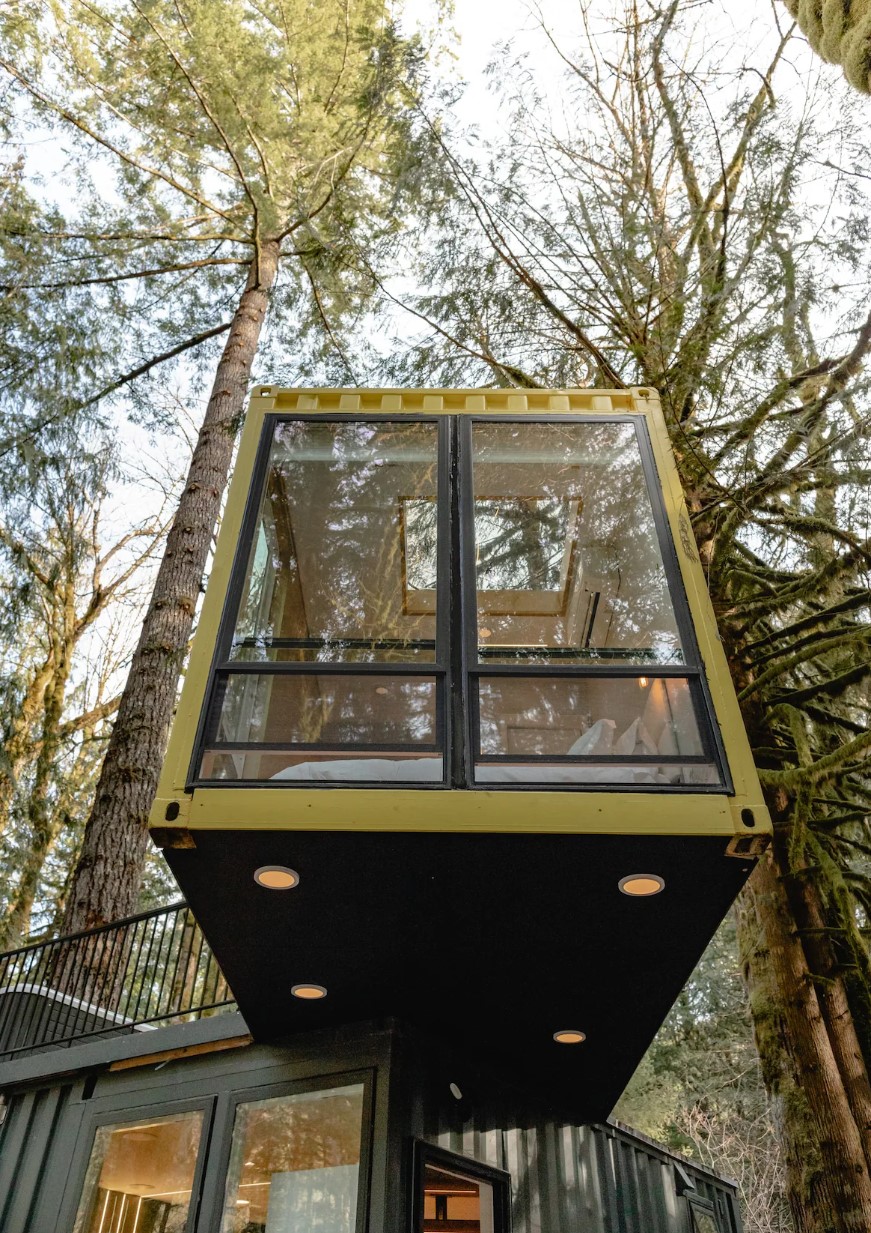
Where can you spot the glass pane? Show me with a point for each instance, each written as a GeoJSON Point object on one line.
{"type": "Point", "coordinates": [536, 719]}
{"type": "Point", "coordinates": [369, 727]}
{"type": "Point", "coordinates": [567, 557]}
{"type": "Point", "coordinates": [294, 1164]}
{"type": "Point", "coordinates": [453, 1201]}
{"type": "Point", "coordinates": [704, 1221]}
{"type": "Point", "coordinates": [140, 1176]}
{"type": "Point", "coordinates": [341, 566]}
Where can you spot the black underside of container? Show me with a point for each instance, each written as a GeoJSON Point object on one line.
{"type": "Point", "coordinates": [493, 943]}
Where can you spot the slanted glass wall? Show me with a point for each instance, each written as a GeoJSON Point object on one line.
{"type": "Point", "coordinates": [457, 600]}
{"type": "Point", "coordinates": [580, 664]}
{"type": "Point", "coordinates": [331, 669]}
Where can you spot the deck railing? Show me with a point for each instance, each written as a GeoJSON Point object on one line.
{"type": "Point", "coordinates": [135, 974]}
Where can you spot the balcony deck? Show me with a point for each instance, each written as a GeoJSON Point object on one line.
{"type": "Point", "coordinates": [146, 971]}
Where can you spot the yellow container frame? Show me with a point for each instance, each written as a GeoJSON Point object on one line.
{"type": "Point", "coordinates": [740, 816]}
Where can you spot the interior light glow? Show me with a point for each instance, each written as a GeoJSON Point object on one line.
{"type": "Point", "coordinates": [276, 877]}
{"type": "Point", "coordinates": [485, 633]}
{"type": "Point", "coordinates": [569, 1036]}
{"type": "Point", "coordinates": [309, 993]}
{"type": "Point", "coordinates": [641, 885]}
{"type": "Point", "coordinates": [381, 689]}
{"type": "Point", "coordinates": [643, 682]}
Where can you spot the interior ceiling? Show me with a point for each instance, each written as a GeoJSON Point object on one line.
{"type": "Point", "coordinates": [493, 943]}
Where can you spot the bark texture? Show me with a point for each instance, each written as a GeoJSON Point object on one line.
{"type": "Point", "coordinates": [109, 873]}
{"type": "Point", "coordinates": [829, 1184]}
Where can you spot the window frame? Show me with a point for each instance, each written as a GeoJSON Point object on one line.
{"type": "Point", "coordinates": [121, 1112]}
{"type": "Point", "coordinates": [216, 1139]}
{"type": "Point", "coordinates": [456, 668]}
{"type": "Point", "coordinates": [218, 1160]}
{"type": "Point", "coordinates": [699, 1203]}
{"type": "Point", "coordinates": [498, 1179]}
{"type": "Point", "coordinates": [222, 666]}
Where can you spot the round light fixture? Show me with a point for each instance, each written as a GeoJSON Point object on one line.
{"type": "Point", "coordinates": [485, 633]}
{"type": "Point", "coordinates": [309, 993]}
{"type": "Point", "coordinates": [276, 877]}
{"type": "Point", "coordinates": [569, 1036]}
{"type": "Point", "coordinates": [381, 689]}
{"type": "Point", "coordinates": [641, 885]}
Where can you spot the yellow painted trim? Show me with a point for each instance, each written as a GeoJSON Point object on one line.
{"type": "Point", "coordinates": [432, 809]}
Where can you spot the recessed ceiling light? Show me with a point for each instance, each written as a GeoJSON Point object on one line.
{"type": "Point", "coordinates": [276, 877]}
{"type": "Point", "coordinates": [569, 1036]}
{"type": "Point", "coordinates": [309, 993]}
{"type": "Point", "coordinates": [381, 689]}
{"type": "Point", "coordinates": [641, 884]}
{"type": "Point", "coordinates": [643, 682]}
{"type": "Point", "coordinates": [485, 633]}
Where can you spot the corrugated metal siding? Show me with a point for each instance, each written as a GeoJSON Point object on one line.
{"type": "Point", "coordinates": [565, 1179]}
{"type": "Point", "coordinates": [587, 1179]}
{"type": "Point", "coordinates": [27, 1141]}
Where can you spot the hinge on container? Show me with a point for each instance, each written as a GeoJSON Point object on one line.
{"type": "Point", "coordinates": [744, 846]}
{"type": "Point", "coordinates": [172, 837]}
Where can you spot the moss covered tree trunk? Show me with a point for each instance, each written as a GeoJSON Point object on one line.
{"type": "Point", "coordinates": [109, 873]}
{"type": "Point", "coordinates": [805, 1051]}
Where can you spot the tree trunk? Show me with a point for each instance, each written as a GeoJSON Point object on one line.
{"type": "Point", "coordinates": [107, 878]}
{"type": "Point", "coordinates": [827, 1175]}
{"type": "Point", "coordinates": [44, 825]}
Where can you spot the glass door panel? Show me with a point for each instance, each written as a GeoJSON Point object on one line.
{"type": "Point", "coordinates": [331, 556]}
{"type": "Point", "coordinates": [295, 1163]}
{"type": "Point", "coordinates": [140, 1176]}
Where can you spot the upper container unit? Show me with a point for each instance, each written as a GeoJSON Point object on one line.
{"type": "Point", "coordinates": [486, 593]}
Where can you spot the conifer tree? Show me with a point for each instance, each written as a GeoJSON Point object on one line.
{"type": "Point", "coordinates": [251, 151]}
{"type": "Point", "coordinates": [661, 231]}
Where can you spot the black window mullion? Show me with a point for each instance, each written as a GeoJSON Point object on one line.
{"type": "Point", "coordinates": [445, 687]}
{"type": "Point", "coordinates": [332, 667]}
{"type": "Point", "coordinates": [557, 672]}
{"type": "Point", "coordinates": [464, 613]}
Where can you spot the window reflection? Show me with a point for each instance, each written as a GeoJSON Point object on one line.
{"type": "Point", "coordinates": [567, 557]}
{"type": "Point", "coordinates": [295, 1163]}
{"type": "Point", "coordinates": [140, 1176]}
{"type": "Point", "coordinates": [326, 575]}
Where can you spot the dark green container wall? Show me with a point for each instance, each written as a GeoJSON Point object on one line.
{"type": "Point", "coordinates": [36, 1141]}
{"type": "Point", "coordinates": [565, 1179]}
{"type": "Point", "coordinates": [589, 1179]}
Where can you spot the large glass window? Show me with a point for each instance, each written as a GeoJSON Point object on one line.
{"type": "Point", "coordinates": [410, 590]}
{"type": "Point", "coordinates": [341, 570]}
{"type": "Point", "coordinates": [572, 602]}
{"type": "Point", "coordinates": [567, 559]}
{"type": "Point", "coordinates": [141, 1175]}
{"type": "Point", "coordinates": [295, 1164]}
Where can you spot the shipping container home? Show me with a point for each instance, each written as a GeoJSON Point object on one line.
{"type": "Point", "coordinates": [458, 742]}
{"type": "Point", "coordinates": [369, 1129]}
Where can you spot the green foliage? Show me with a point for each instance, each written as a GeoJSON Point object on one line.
{"type": "Point", "coordinates": [193, 134]}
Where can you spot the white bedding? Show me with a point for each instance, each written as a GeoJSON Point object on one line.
{"type": "Point", "coordinates": [600, 740]}
{"type": "Point", "coordinates": [429, 770]}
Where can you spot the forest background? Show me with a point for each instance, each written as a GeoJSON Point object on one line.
{"type": "Point", "coordinates": [670, 195]}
